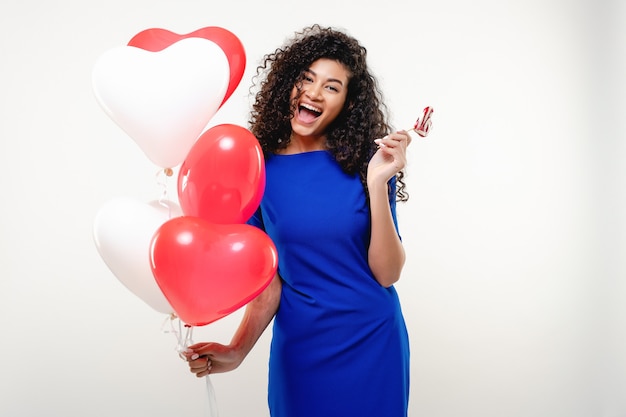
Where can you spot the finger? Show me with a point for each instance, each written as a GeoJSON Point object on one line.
{"type": "Point", "coordinates": [388, 141]}
{"type": "Point", "coordinates": [189, 355]}
{"type": "Point", "coordinates": [200, 366]}
{"type": "Point", "coordinates": [197, 346]}
{"type": "Point", "coordinates": [403, 140]}
{"type": "Point", "coordinates": [201, 362]}
{"type": "Point", "coordinates": [393, 144]}
{"type": "Point", "coordinates": [206, 370]}
{"type": "Point", "coordinates": [393, 140]}
{"type": "Point", "coordinates": [403, 135]}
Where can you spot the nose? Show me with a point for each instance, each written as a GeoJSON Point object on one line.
{"type": "Point", "coordinates": [313, 90]}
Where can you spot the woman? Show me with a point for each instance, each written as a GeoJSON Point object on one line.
{"type": "Point", "coordinates": [334, 173]}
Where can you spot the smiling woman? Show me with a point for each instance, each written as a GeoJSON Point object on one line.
{"type": "Point", "coordinates": [515, 232]}
{"type": "Point", "coordinates": [318, 99]}
{"type": "Point", "coordinates": [330, 208]}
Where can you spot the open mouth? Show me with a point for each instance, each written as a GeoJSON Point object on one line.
{"type": "Point", "coordinates": [308, 113]}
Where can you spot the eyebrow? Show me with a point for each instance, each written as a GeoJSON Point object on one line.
{"type": "Point", "coordinates": [328, 80]}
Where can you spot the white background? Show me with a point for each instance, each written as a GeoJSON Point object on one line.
{"type": "Point", "coordinates": [515, 283]}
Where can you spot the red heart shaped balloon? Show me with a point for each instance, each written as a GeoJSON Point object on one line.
{"type": "Point", "coordinates": [222, 179]}
{"type": "Point", "coordinates": [207, 271]}
{"type": "Point", "coordinates": [157, 39]}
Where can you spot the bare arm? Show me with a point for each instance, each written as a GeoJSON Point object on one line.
{"type": "Point", "coordinates": [386, 255]}
{"type": "Point", "coordinates": [205, 358]}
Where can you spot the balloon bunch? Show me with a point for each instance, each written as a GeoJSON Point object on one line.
{"type": "Point", "coordinates": [196, 260]}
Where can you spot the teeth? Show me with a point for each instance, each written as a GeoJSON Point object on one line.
{"type": "Point", "coordinates": [309, 107]}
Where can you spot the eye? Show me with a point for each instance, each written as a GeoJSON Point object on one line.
{"type": "Point", "coordinates": [332, 88]}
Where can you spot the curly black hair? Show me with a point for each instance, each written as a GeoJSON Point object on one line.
{"type": "Point", "coordinates": [350, 137]}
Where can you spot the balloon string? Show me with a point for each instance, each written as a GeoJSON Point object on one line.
{"type": "Point", "coordinates": [182, 332]}
{"type": "Point", "coordinates": [162, 176]}
{"type": "Point", "coordinates": [212, 399]}
{"type": "Point", "coordinates": [184, 339]}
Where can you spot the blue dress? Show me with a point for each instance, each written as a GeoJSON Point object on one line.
{"type": "Point", "coordinates": [340, 346]}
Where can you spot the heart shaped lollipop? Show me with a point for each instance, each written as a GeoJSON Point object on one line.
{"type": "Point", "coordinates": [422, 125]}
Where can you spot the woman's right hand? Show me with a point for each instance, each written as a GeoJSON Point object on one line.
{"type": "Point", "coordinates": [211, 358]}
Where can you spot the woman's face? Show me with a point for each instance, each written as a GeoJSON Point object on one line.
{"type": "Point", "coordinates": [322, 96]}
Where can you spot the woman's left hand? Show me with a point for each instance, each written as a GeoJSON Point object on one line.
{"type": "Point", "coordinates": [390, 157]}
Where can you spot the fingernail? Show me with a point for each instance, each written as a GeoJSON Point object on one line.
{"type": "Point", "coordinates": [194, 356]}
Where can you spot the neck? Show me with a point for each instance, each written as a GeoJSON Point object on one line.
{"type": "Point", "coordinates": [300, 144]}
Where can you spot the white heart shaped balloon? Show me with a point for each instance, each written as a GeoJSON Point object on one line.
{"type": "Point", "coordinates": [123, 230]}
{"type": "Point", "coordinates": [163, 100]}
